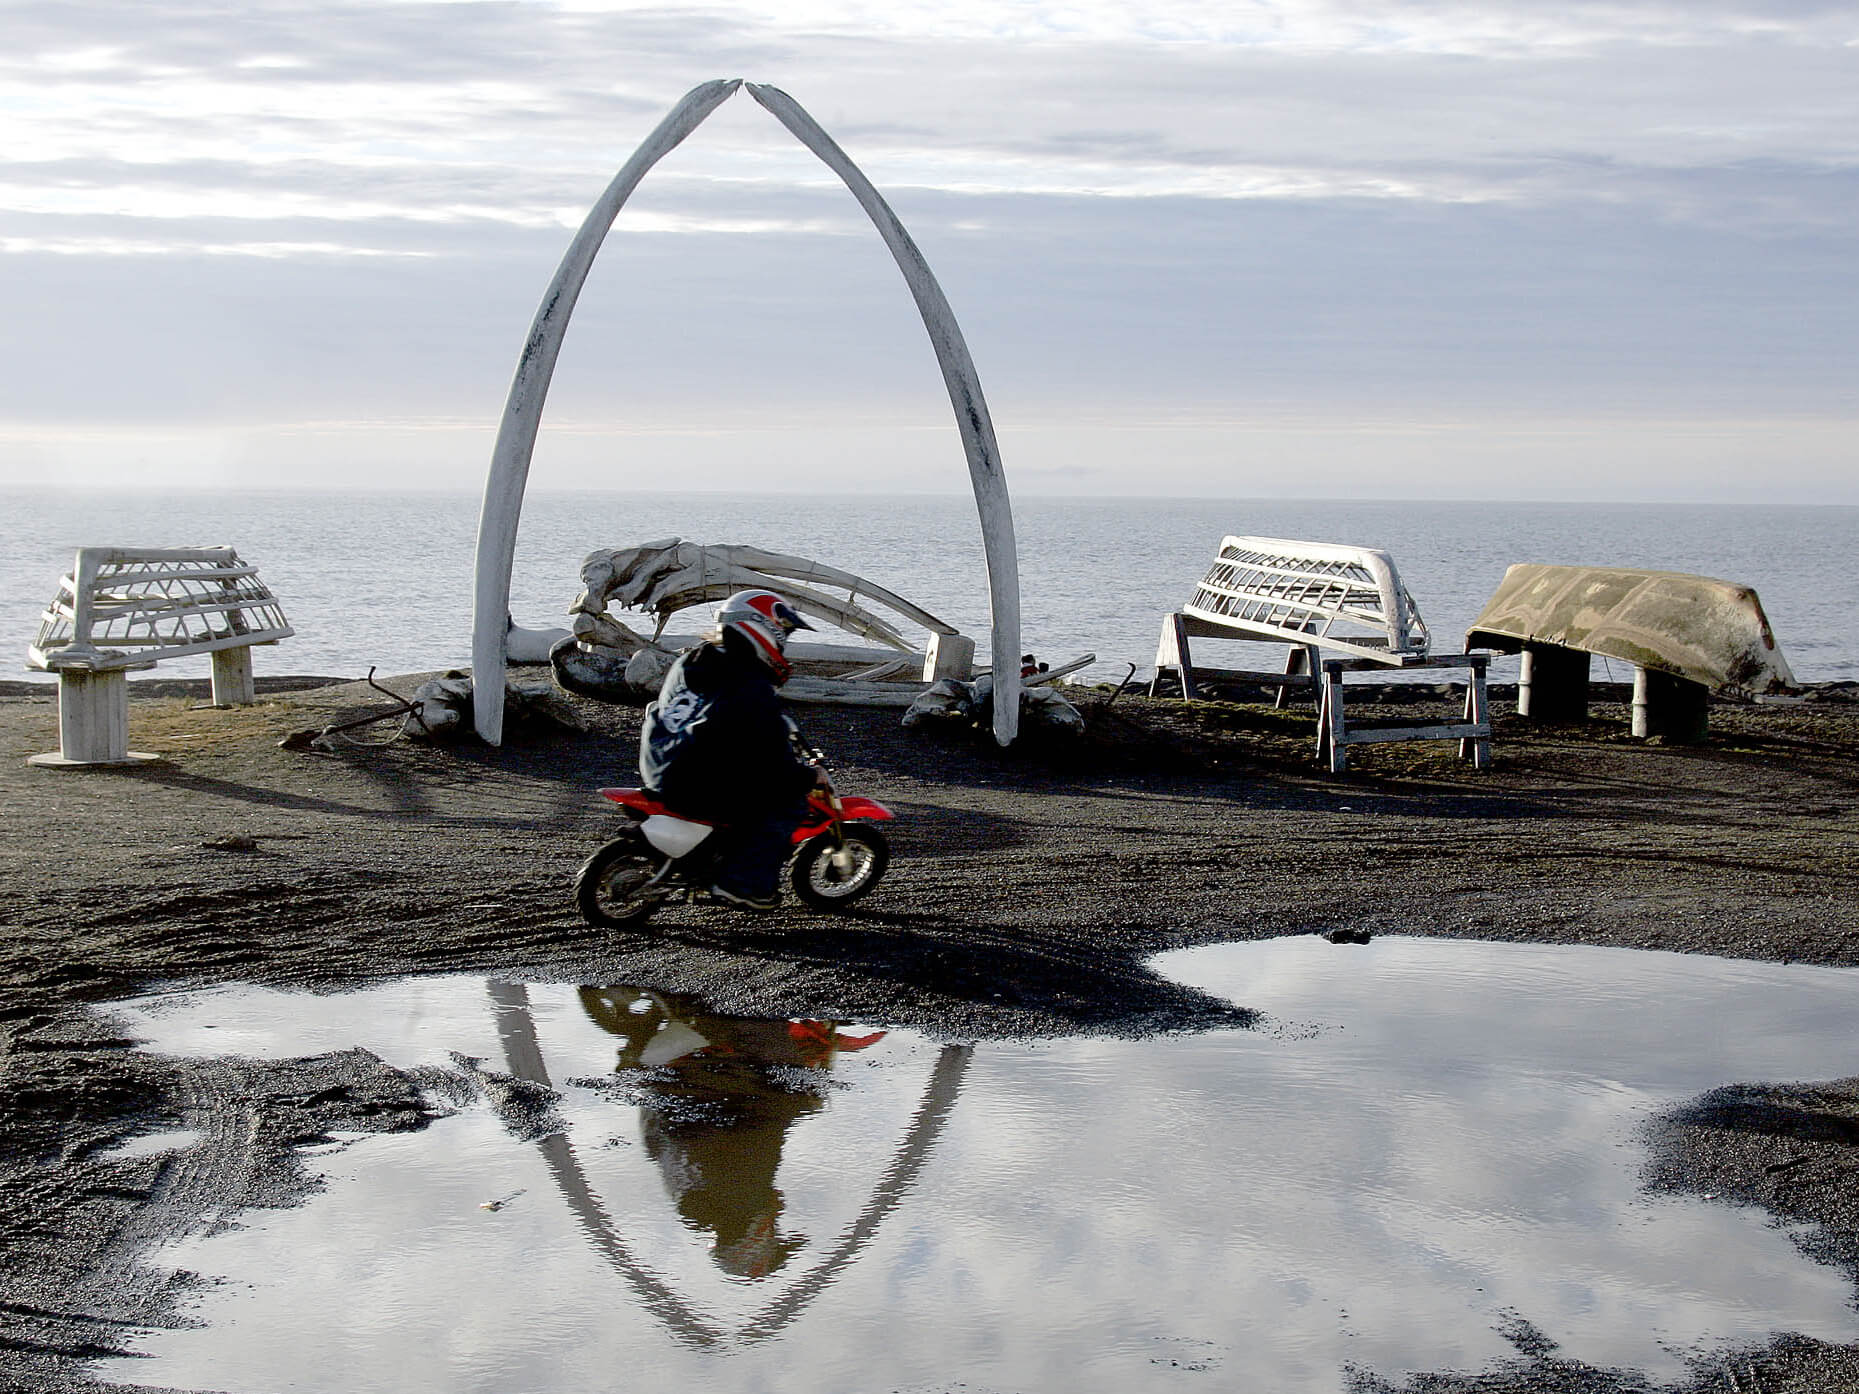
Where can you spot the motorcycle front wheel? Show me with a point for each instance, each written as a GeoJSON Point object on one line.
{"type": "Point", "coordinates": [608, 890]}
{"type": "Point", "coordinates": [829, 876]}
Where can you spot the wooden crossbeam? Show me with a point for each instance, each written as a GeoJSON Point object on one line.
{"type": "Point", "coordinates": [1334, 737]}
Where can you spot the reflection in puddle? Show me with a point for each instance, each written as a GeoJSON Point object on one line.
{"type": "Point", "coordinates": [715, 1123]}
{"type": "Point", "coordinates": [1436, 1141]}
{"type": "Point", "coordinates": [715, 1104]}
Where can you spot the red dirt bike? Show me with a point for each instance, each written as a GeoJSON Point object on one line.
{"type": "Point", "coordinates": [667, 857]}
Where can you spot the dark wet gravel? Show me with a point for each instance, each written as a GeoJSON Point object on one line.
{"type": "Point", "coordinates": [1028, 892]}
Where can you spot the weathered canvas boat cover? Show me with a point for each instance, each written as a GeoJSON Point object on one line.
{"type": "Point", "coordinates": [1694, 627]}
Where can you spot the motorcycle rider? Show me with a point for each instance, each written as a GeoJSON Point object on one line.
{"type": "Point", "coordinates": [717, 746]}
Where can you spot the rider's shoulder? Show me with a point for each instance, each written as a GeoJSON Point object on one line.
{"type": "Point", "coordinates": [702, 666]}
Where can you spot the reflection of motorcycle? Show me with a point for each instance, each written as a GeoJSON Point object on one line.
{"type": "Point", "coordinates": [724, 1092]}
{"type": "Point", "coordinates": [659, 1028]}
{"type": "Point", "coordinates": [665, 856]}
{"type": "Point", "coordinates": [657, 1032]}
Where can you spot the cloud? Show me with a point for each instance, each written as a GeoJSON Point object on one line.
{"type": "Point", "coordinates": [517, 88]}
{"type": "Point", "coordinates": [330, 207]}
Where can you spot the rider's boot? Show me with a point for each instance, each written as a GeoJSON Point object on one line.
{"type": "Point", "coordinates": [761, 905]}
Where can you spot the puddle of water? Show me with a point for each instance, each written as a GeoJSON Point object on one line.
{"type": "Point", "coordinates": [151, 1145]}
{"type": "Point", "coordinates": [1430, 1139]}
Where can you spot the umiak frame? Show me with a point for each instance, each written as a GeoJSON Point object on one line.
{"type": "Point", "coordinates": [516, 437]}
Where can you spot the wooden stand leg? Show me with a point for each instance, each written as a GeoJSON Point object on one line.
{"type": "Point", "coordinates": [93, 721]}
{"type": "Point", "coordinates": [1330, 723]}
{"type": "Point", "coordinates": [232, 677]}
{"type": "Point", "coordinates": [1477, 713]}
{"type": "Point", "coordinates": [1299, 662]}
{"type": "Point", "coordinates": [1172, 655]}
{"type": "Point", "coordinates": [1472, 731]}
{"type": "Point", "coordinates": [1672, 708]}
{"type": "Point", "coordinates": [1553, 683]}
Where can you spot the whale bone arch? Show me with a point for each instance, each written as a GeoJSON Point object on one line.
{"type": "Point", "coordinates": [522, 418]}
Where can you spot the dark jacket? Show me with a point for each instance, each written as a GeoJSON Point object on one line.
{"type": "Point", "coordinates": [716, 744]}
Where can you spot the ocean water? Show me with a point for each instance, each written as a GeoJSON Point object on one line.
{"type": "Point", "coordinates": [385, 579]}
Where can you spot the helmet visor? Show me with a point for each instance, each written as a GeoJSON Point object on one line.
{"type": "Point", "coordinates": [787, 617]}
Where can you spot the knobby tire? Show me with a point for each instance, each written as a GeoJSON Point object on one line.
{"type": "Point", "coordinates": [601, 886]}
{"type": "Point", "coordinates": [819, 882]}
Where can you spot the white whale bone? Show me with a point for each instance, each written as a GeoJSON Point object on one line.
{"type": "Point", "coordinates": [596, 581]}
{"type": "Point", "coordinates": [964, 385]}
{"type": "Point", "coordinates": [649, 569]}
{"type": "Point", "coordinates": [619, 570]}
{"type": "Point", "coordinates": [699, 585]}
{"type": "Point", "coordinates": [688, 564]}
{"type": "Point", "coordinates": [879, 671]}
{"type": "Point", "coordinates": [516, 437]}
{"type": "Point", "coordinates": [606, 569]}
{"type": "Point", "coordinates": [603, 631]}
{"type": "Point", "coordinates": [532, 645]}
{"type": "Point", "coordinates": [801, 569]}
{"type": "Point", "coordinates": [667, 576]}
{"type": "Point", "coordinates": [693, 572]}
{"type": "Point", "coordinates": [640, 555]}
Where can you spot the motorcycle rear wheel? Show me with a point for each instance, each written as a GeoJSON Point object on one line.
{"type": "Point", "coordinates": [830, 877]}
{"type": "Point", "coordinates": [607, 888]}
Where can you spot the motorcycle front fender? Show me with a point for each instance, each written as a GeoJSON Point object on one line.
{"type": "Point", "coordinates": [856, 809]}
{"type": "Point", "coordinates": [820, 823]}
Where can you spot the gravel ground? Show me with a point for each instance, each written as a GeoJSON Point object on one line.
{"type": "Point", "coordinates": [1028, 892]}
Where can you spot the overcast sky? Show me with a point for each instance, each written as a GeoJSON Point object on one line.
{"type": "Point", "coordinates": [1292, 248]}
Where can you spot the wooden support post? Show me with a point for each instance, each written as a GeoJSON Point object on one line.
{"type": "Point", "coordinates": [1172, 655]}
{"type": "Point", "coordinates": [1477, 715]}
{"type": "Point", "coordinates": [232, 677]}
{"type": "Point", "coordinates": [93, 721]}
{"type": "Point", "coordinates": [93, 717]}
{"type": "Point", "coordinates": [1301, 661]}
{"type": "Point", "coordinates": [949, 656]}
{"type": "Point", "coordinates": [1330, 725]}
{"type": "Point", "coordinates": [1672, 708]}
{"type": "Point", "coordinates": [1473, 732]}
{"type": "Point", "coordinates": [1553, 683]}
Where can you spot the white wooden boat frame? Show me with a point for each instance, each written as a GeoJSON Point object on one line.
{"type": "Point", "coordinates": [124, 609]}
{"type": "Point", "coordinates": [1341, 609]}
{"type": "Point", "coordinates": [1313, 596]}
{"type": "Point", "coordinates": [516, 439]}
{"type": "Point", "coordinates": [1346, 599]}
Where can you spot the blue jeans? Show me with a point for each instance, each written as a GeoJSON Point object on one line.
{"type": "Point", "coordinates": [755, 849]}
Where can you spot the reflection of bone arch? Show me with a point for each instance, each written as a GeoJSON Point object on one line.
{"type": "Point", "coordinates": [516, 439]}
{"type": "Point", "coordinates": [682, 1318]}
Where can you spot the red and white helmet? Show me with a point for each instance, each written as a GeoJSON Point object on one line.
{"type": "Point", "coordinates": [765, 620]}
